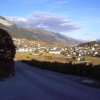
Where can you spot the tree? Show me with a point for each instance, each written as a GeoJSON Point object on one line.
{"type": "Point", "coordinates": [7, 54]}
{"type": "Point", "coordinates": [7, 47]}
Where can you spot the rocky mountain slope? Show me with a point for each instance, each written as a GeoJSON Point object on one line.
{"type": "Point", "coordinates": [34, 33]}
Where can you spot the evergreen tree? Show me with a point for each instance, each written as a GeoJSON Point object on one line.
{"type": "Point", "coordinates": [7, 47]}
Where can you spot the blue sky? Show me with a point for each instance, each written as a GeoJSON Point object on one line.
{"type": "Point", "coordinates": [79, 19]}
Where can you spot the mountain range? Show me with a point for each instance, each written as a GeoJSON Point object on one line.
{"type": "Point", "coordinates": [98, 40]}
{"type": "Point", "coordinates": [35, 33]}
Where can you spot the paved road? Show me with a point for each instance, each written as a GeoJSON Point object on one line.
{"type": "Point", "coordinates": [37, 84]}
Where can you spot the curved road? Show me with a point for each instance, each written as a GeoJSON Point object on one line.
{"type": "Point", "coordinates": [37, 84]}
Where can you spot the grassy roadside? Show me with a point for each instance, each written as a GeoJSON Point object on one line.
{"type": "Point", "coordinates": [40, 56]}
{"type": "Point", "coordinates": [53, 57]}
{"type": "Point", "coordinates": [93, 60]}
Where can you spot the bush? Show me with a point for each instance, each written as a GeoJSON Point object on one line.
{"type": "Point", "coordinates": [7, 52]}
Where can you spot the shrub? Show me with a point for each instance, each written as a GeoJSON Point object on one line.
{"type": "Point", "coordinates": [7, 52]}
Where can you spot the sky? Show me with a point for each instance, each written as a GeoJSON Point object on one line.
{"type": "Point", "coordinates": [78, 19]}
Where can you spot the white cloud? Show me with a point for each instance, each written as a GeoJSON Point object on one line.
{"type": "Point", "coordinates": [46, 20]}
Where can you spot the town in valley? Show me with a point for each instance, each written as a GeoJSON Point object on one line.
{"type": "Point", "coordinates": [83, 53]}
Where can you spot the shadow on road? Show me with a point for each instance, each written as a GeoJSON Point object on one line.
{"type": "Point", "coordinates": [84, 70]}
